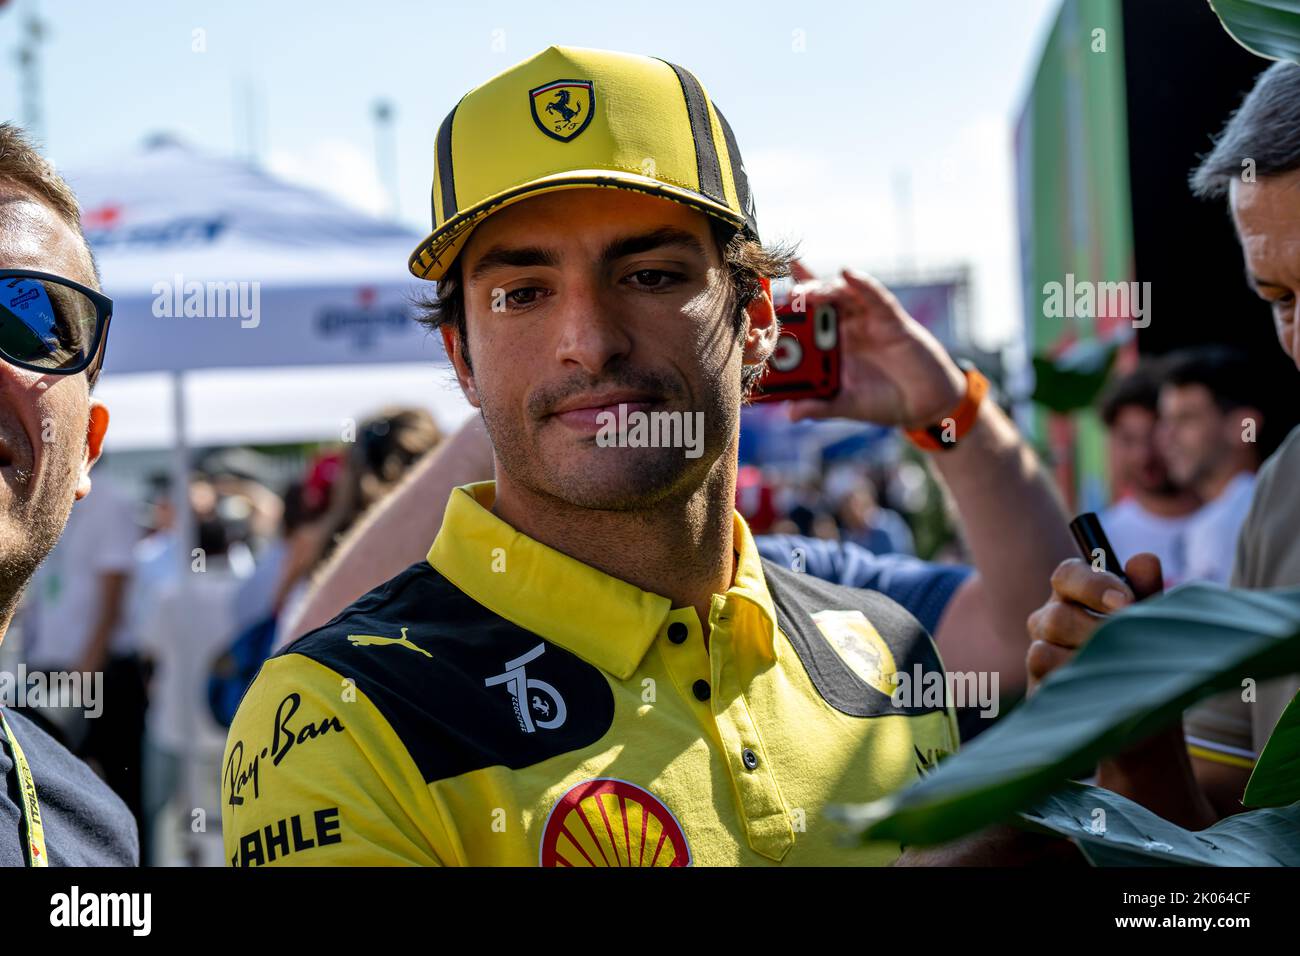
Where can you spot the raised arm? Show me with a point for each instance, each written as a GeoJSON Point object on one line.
{"type": "Point", "coordinates": [397, 531]}
{"type": "Point", "coordinates": [896, 373]}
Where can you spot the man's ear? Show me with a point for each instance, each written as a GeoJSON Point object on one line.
{"type": "Point", "coordinates": [762, 329]}
{"type": "Point", "coordinates": [451, 342]}
{"type": "Point", "coordinates": [96, 429]}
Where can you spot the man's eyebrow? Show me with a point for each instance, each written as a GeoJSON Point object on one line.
{"type": "Point", "coordinates": [512, 256]}
{"type": "Point", "coordinates": [646, 241]}
{"type": "Point", "coordinates": [517, 256]}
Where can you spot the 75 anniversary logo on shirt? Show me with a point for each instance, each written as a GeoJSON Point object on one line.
{"type": "Point", "coordinates": [536, 703]}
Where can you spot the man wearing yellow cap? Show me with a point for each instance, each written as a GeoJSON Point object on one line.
{"type": "Point", "coordinates": [594, 666]}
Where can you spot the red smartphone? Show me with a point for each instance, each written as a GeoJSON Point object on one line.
{"type": "Point", "coordinates": [806, 363]}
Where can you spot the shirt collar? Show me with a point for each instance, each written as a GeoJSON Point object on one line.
{"type": "Point", "coordinates": [750, 584]}
{"type": "Point", "coordinates": [605, 621]}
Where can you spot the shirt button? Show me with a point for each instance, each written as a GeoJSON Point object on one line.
{"type": "Point", "coordinates": [677, 632]}
{"type": "Point", "coordinates": [749, 758]}
{"type": "Point", "coordinates": [701, 689]}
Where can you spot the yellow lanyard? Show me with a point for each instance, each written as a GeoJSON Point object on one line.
{"type": "Point", "coordinates": [31, 808]}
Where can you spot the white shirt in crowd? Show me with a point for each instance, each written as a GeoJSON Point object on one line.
{"type": "Point", "coordinates": [1214, 529]}
{"type": "Point", "coordinates": [191, 622]}
{"type": "Point", "coordinates": [63, 598]}
{"type": "Point", "coordinates": [155, 565]}
{"type": "Point", "coordinates": [1133, 529]}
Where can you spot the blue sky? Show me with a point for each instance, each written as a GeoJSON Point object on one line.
{"type": "Point", "coordinates": [925, 90]}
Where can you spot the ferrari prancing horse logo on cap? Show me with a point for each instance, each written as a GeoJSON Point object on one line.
{"type": "Point", "coordinates": [562, 108]}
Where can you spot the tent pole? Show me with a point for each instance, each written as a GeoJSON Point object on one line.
{"type": "Point", "coordinates": [183, 523]}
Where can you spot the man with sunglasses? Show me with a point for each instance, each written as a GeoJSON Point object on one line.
{"type": "Point", "coordinates": [53, 327]}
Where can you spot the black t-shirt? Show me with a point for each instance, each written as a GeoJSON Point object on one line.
{"type": "Point", "coordinates": [86, 823]}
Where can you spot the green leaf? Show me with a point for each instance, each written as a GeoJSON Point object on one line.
{"type": "Point", "coordinates": [1114, 831]}
{"type": "Point", "coordinates": [1075, 379]}
{"type": "Point", "coordinates": [1275, 781]}
{"type": "Point", "coordinates": [1267, 28]}
{"type": "Point", "coordinates": [1141, 669]}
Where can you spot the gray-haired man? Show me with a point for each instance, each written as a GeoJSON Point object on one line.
{"type": "Point", "coordinates": [1255, 164]}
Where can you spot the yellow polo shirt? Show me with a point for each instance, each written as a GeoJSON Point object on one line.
{"type": "Point", "coordinates": [504, 704]}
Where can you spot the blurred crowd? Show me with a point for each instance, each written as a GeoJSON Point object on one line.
{"type": "Point", "coordinates": [115, 596]}
{"type": "Point", "coordinates": [1182, 474]}
{"type": "Point", "coordinates": [1185, 436]}
{"type": "Point", "coordinates": [867, 503]}
{"type": "Point", "coordinates": [1183, 479]}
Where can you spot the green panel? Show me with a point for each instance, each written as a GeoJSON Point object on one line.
{"type": "Point", "coordinates": [1075, 213]}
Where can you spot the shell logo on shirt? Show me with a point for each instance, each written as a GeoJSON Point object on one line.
{"type": "Point", "coordinates": [608, 822]}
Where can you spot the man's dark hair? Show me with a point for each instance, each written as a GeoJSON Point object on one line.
{"type": "Point", "coordinates": [23, 165]}
{"type": "Point", "coordinates": [214, 537]}
{"type": "Point", "coordinates": [1226, 372]}
{"type": "Point", "coordinates": [1140, 388]}
{"type": "Point", "coordinates": [1265, 130]}
{"type": "Point", "coordinates": [747, 261]}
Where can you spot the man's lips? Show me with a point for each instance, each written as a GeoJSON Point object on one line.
{"type": "Point", "coordinates": [584, 412]}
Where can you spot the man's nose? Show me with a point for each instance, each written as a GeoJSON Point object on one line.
{"type": "Point", "coordinates": [1293, 329]}
{"type": "Point", "coordinates": [1163, 436]}
{"type": "Point", "coordinates": [593, 331]}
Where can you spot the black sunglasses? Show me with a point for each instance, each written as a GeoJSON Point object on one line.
{"type": "Point", "coordinates": [51, 324]}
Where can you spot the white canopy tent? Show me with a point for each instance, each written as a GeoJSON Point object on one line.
{"type": "Point", "coordinates": [215, 266]}
{"type": "Point", "coordinates": [248, 310]}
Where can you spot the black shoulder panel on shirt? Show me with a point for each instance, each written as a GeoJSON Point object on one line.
{"type": "Point", "coordinates": [798, 596]}
{"type": "Point", "coordinates": [462, 687]}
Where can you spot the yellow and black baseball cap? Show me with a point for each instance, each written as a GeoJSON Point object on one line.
{"type": "Point", "coordinates": [570, 118]}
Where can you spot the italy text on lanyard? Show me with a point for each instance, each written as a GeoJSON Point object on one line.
{"type": "Point", "coordinates": [33, 831]}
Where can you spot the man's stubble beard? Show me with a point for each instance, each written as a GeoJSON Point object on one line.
{"type": "Point", "coordinates": [29, 534]}
{"type": "Point", "coordinates": [1203, 469]}
{"type": "Point", "coordinates": [1166, 489]}
{"type": "Point", "coordinates": [1163, 487]}
{"type": "Point", "coordinates": [650, 477]}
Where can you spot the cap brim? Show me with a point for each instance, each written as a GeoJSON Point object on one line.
{"type": "Point", "coordinates": [434, 256]}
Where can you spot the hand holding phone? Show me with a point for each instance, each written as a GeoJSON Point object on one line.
{"type": "Point", "coordinates": [1082, 598]}
{"type": "Point", "coordinates": [806, 362]}
{"type": "Point", "coordinates": [1097, 551]}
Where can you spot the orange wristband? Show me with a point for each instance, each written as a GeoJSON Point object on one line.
{"type": "Point", "coordinates": [950, 429]}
